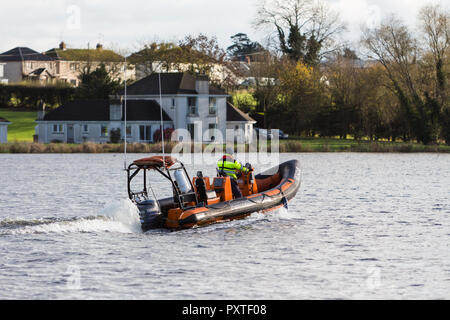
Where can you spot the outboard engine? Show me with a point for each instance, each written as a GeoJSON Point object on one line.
{"type": "Point", "coordinates": [150, 214]}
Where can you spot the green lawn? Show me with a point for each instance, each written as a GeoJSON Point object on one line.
{"type": "Point", "coordinates": [22, 124]}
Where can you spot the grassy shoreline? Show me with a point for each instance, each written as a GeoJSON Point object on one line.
{"type": "Point", "coordinates": [22, 124]}
{"type": "Point", "coordinates": [306, 145]}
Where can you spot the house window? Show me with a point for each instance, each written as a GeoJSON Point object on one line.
{"type": "Point", "coordinates": [58, 128]}
{"type": "Point", "coordinates": [173, 103]}
{"type": "Point", "coordinates": [212, 106]}
{"type": "Point", "coordinates": [129, 132]}
{"type": "Point", "coordinates": [212, 130]}
{"type": "Point", "coordinates": [145, 133]}
{"type": "Point", "coordinates": [1, 71]}
{"type": "Point", "coordinates": [104, 130]}
{"type": "Point", "coordinates": [85, 128]}
{"type": "Point", "coordinates": [74, 66]}
{"type": "Point", "coordinates": [74, 82]}
{"type": "Point", "coordinates": [192, 105]}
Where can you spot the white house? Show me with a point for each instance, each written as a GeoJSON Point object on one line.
{"type": "Point", "coordinates": [93, 120]}
{"type": "Point", "coordinates": [4, 130]}
{"type": "Point", "coordinates": [188, 103]}
{"type": "Point", "coordinates": [193, 104]}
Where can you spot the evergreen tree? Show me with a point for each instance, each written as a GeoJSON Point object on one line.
{"type": "Point", "coordinates": [242, 46]}
{"type": "Point", "coordinates": [96, 84]}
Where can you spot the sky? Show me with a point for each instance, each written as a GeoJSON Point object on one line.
{"type": "Point", "coordinates": [126, 25]}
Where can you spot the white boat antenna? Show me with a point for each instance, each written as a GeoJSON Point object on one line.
{"type": "Point", "coordinates": [125, 117]}
{"type": "Point", "coordinates": [162, 124]}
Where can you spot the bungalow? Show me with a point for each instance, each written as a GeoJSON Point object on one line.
{"type": "Point", "coordinates": [94, 120]}
{"type": "Point", "coordinates": [188, 103]}
{"type": "Point", "coordinates": [4, 130]}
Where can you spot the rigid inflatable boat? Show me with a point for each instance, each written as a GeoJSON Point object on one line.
{"type": "Point", "coordinates": [202, 201]}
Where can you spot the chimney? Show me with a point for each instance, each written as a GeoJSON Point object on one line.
{"type": "Point", "coordinates": [115, 108]}
{"type": "Point", "coordinates": [99, 47]}
{"type": "Point", "coordinates": [62, 45]}
{"type": "Point", "coordinates": [41, 111]}
{"type": "Point", "coordinates": [202, 84]}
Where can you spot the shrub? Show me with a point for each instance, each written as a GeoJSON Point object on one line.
{"type": "Point", "coordinates": [167, 134]}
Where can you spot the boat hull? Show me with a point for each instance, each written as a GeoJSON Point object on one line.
{"type": "Point", "coordinates": [271, 199]}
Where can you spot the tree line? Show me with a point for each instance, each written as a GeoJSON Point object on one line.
{"type": "Point", "coordinates": [307, 81]}
{"type": "Point", "coordinates": [395, 88]}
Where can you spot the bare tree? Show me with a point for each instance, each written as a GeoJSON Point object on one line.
{"type": "Point", "coordinates": [395, 48]}
{"type": "Point", "coordinates": [393, 45]}
{"type": "Point", "coordinates": [435, 25]}
{"type": "Point", "coordinates": [301, 26]}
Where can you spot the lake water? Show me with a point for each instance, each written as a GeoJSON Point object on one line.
{"type": "Point", "coordinates": [362, 226]}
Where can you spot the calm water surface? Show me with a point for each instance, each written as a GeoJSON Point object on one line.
{"type": "Point", "coordinates": [363, 226]}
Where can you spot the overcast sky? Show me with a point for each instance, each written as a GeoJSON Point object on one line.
{"type": "Point", "coordinates": [124, 25]}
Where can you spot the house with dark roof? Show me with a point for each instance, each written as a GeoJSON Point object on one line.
{"type": "Point", "coordinates": [93, 120]}
{"type": "Point", "coordinates": [23, 63]}
{"type": "Point", "coordinates": [195, 109]}
{"type": "Point", "coordinates": [4, 130]}
{"type": "Point", "coordinates": [199, 110]}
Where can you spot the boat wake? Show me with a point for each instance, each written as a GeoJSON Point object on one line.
{"type": "Point", "coordinates": [121, 217]}
{"type": "Point", "coordinates": [254, 220]}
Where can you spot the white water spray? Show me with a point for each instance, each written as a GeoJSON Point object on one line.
{"type": "Point", "coordinates": [121, 217]}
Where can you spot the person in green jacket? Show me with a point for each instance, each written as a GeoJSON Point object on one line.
{"type": "Point", "coordinates": [228, 166]}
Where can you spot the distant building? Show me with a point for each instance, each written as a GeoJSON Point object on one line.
{"type": "Point", "coordinates": [70, 62]}
{"type": "Point", "coordinates": [188, 103]}
{"type": "Point", "coordinates": [59, 64]}
{"type": "Point", "coordinates": [3, 80]}
{"type": "Point", "coordinates": [23, 63]}
{"type": "Point", "coordinates": [4, 130]}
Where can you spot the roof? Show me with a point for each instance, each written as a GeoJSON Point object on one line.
{"type": "Point", "coordinates": [98, 110]}
{"type": "Point", "coordinates": [3, 120]}
{"type": "Point", "coordinates": [23, 54]}
{"type": "Point", "coordinates": [39, 71]}
{"type": "Point", "coordinates": [171, 83]}
{"type": "Point", "coordinates": [97, 55]}
{"type": "Point", "coordinates": [234, 114]}
{"type": "Point", "coordinates": [148, 110]}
